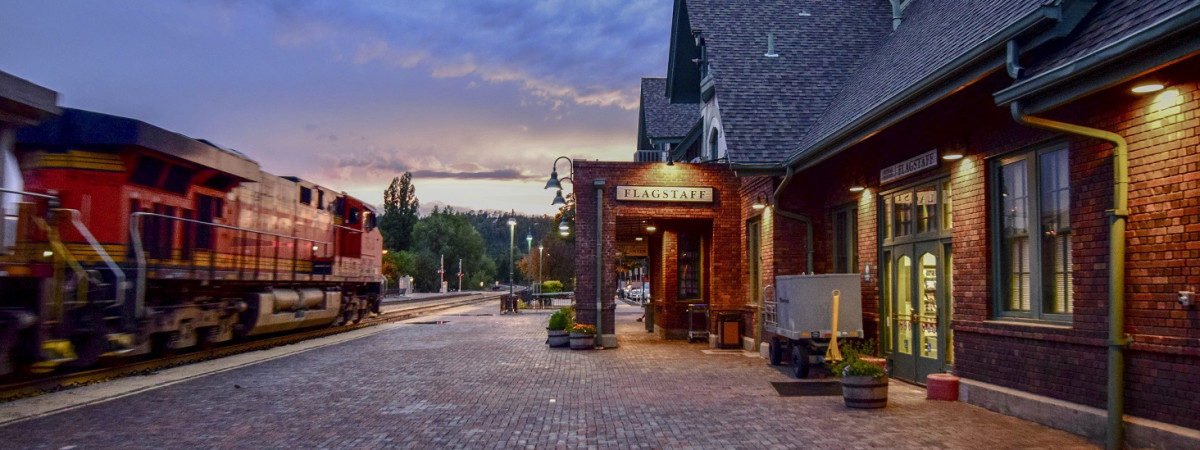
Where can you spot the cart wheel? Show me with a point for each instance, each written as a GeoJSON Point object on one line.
{"type": "Point", "coordinates": [800, 360]}
{"type": "Point", "coordinates": [775, 351]}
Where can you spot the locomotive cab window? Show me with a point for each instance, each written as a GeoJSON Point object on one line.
{"type": "Point", "coordinates": [353, 216]}
{"type": "Point", "coordinates": [305, 195]}
{"type": "Point", "coordinates": [369, 221]}
{"type": "Point", "coordinates": [148, 171]}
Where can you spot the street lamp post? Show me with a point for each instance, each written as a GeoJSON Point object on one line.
{"type": "Point", "coordinates": [512, 224]}
{"type": "Point", "coordinates": [540, 249]}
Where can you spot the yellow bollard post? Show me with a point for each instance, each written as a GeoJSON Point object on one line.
{"type": "Point", "coordinates": [834, 353]}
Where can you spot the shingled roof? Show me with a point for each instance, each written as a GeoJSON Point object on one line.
{"type": "Point", "coordinates": [768, 103]}
{"type": "Point", "coordinates": [934, 33]}
{"type": "Point", "coordinates": [661, 118]}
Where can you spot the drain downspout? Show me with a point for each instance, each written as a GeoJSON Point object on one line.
{"type": "Point", "coordinates": [1117, 340]}
{"type": "Point", "coordinates": [808, 225]}
{"type": "Point", "coordinates": [599, 261]}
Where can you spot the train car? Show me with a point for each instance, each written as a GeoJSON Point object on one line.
{"type": "Point", "coordinates": [147, 240]}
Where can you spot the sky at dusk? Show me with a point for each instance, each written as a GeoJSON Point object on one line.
{"type": "Point", "coordinates": [475, 98]}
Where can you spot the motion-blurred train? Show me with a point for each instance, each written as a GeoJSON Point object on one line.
{"type": "Point", "coordinates": [130, 239]}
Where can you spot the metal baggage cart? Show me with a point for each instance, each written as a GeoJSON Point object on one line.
{"type": "Point", "coordinates": [799, 317]}
{"type": "Point", "coordinates": [694, 310]}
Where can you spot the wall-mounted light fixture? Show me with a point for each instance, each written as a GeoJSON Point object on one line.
{"type": "Point", "coordinates": [1147, 87]}
{"type": "Point", "coordinates": [759, 203]}
{"type": "Point", "coordinates": [857, 188]}
{"type": "Point", "coordinates": [952, 155]}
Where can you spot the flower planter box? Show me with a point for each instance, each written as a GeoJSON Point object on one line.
{"type": "Point", "coordinates": [583, 341]}
{"type": "Point", "coordinates": [865, 392]}
{"type": "Point", "coordinates": [558, 338]}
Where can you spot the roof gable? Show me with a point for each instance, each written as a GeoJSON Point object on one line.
{"type": "Point", "coordinates": [768, 103]}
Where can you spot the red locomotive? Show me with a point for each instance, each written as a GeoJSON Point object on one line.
{"type": "Point", "coordinates": [131, 239]}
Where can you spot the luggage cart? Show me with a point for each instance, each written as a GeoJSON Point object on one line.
{"type": "Point", "coordinates": [693, 310]}
{"type": "Point", "coordinates": [799, 318]}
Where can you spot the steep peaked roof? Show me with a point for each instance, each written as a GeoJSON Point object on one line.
{"type": "Point", "coordinates": [768, 103]}
{"type": "Point", "coordinates": [662, 118]}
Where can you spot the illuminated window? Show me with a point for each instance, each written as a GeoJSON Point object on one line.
{"type": "Point", "coordinates": [1033, 235]}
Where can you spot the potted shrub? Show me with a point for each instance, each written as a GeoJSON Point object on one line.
{"type": "Point", "coordinates": [583, 336]}
{"type": "Point", "coordinates": [864, 384]}
{"type": "Point", "coordinates": [557, 329]}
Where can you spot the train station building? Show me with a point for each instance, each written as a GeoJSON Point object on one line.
{"type": "Point", "coordinates": [1015, 183]}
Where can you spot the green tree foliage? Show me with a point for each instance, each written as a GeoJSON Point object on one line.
{"type": "Point", "coordinates": [400, 207]}
{"type": "Point", "coordinates": [450, 234]}
{"type": "Point", "coordinates": [397, 264]}
{"type": "Point", "coordinates": [557, 261]}
{"type": "Point", "coordinates": [493, 227]}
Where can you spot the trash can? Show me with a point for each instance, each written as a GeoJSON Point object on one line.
{"type": "Point", "coordinates": [729, 329]}
{"type": "Point", "coordinates": [648, 306]}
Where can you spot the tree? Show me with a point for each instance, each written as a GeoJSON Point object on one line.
{"type": "Point", "coordinates": [400, 207]}
{"type": "Point", "coordinates": [446, 233]}
{"type": "Point", "coordinates": [398, 264]}
{"type": "Point", "coordinates": [558, 261]}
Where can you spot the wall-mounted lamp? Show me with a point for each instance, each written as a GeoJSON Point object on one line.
{"type": "Point", "coordinates": [953, 155]}
{"type": "Point", "coordinates": [867, 272]}
{"type": "Point", "coordinates": [651, 228]}
{"type": "Point", "coordinates": [639, 239]}
{"type": "Point", "coordinates": [759, 203]}
{"type": "Point", "coordinates": [857, 189]}
{"type": "Point", "coordinates": [1147, 87]}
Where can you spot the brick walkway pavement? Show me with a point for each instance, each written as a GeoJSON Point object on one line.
{"type": "Point", "coordinates": [488, 381]}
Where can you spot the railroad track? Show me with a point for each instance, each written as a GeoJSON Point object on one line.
{"type": "Point", "coordinates": [393, 311]}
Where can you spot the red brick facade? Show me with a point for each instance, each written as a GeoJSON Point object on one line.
{"type": "Point", "coordinates": [1067, 362]}
{"type": "Point", "coordinates": [719, 223]}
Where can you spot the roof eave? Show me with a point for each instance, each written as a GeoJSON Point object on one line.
{"type": "Point", "coordinates": [975, 63]}
{"type": "Point", "coordinates": [1171, 39]}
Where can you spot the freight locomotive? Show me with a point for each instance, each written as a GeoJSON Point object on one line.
{"type": "Point", "coordinates": [130, 239]}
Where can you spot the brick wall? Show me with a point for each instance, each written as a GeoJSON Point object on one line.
{"type": "Point", "coordinates": [1162, 256]}
{"type": "Point", "coordinates": [721, 222]}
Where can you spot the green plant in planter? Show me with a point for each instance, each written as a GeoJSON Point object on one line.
{"type": "Point", "coordinates": [852, 351]}
{"type": "Point", "coordinates": [860, 368]}
{"type": "Point", "coordinates": [582, 328]}
{"type": "Point", "coordinates": [559, 321]}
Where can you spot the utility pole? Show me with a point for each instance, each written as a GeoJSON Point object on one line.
{"type": "Point", "coordinates": [460, 274]}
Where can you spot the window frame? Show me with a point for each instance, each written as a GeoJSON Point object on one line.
{"type": "Point", "coordinates": [698, 261]}
{"type": "Point", "coordinates": [849, 248]}
{"type": "Point", "coordinates": [1033, 222]}
{"type": "Point", "coordinates": [888, 225]}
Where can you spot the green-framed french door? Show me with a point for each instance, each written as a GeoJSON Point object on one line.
{"type": "Point", "coordinates": [917, 295]}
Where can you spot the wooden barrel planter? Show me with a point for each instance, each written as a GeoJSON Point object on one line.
{"type": "Point", "coordinates": [583, 341]}
{"type": "Point", "coordinates": [558, 338]}
{"type": "Point", "coordinates": [865, 392]}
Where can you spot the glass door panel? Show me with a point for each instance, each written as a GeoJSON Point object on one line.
{"type": "Point", "coordinates": [928, 306]}
{"type": "Point", "coordinates": [903, 304]}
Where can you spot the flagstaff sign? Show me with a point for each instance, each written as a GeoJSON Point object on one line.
{"type": "Point", "coordinates": [665, 194]}
{"type": "Point", "coordinates": [919, 163]}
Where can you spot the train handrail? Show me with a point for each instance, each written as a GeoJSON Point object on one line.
{"type": "Point", "coordinates": [108, 261]}
{"type": "Point", "coordinates": [63, 255]}
{"type": "Point", "coordinates": [31, 194]}
{"type": "Point", "coordinates": [135, 238]}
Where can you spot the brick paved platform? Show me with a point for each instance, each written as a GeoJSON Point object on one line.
{"type": "Point", "coordinates": [488, 381]}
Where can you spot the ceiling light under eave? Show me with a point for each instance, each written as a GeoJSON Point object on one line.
{"type": "Point", "coordinates": [1147, 87]}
